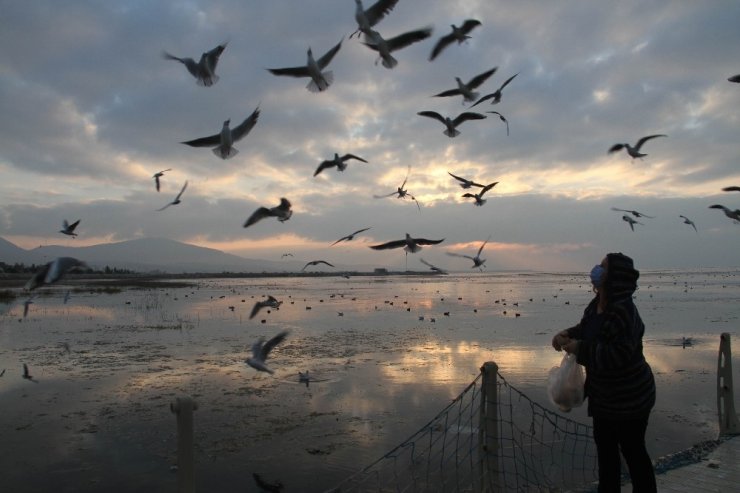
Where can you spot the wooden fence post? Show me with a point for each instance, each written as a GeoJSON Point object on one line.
{"type": "Point", "coordinates": [183, 407]}
{"type": "Point", "coordinates": [488, 433]}
{"type": "Point", "coordinates": [728, 423]}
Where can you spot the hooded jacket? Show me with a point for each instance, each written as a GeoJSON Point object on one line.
{"type": "Point", "coordinates": [619, 382]}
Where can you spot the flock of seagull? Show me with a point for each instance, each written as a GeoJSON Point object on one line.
{"type": "Point", "coordinates": [320, 79]}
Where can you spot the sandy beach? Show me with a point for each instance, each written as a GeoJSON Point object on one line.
{"type": "Point", "coordinates": [385, 354]}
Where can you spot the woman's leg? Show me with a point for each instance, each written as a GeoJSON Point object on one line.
{"type": "Point", "coordinates": [632, 443]}
{"type": "Point", "coordinates": [606, 436]}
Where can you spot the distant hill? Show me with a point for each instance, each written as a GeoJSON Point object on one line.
{"type": "Point", "coordinates": [146, 255]}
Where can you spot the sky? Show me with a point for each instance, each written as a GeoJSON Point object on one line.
{"type": "Point", "coordinates": [91, 110]}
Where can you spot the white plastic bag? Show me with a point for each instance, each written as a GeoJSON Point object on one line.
{"type": "Point", "coordinates": [565, 384]}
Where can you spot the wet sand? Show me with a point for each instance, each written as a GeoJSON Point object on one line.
{"type": "Point", "coordinates": [97, 416]}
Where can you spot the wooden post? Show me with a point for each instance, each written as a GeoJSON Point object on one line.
{"type": "Point", "coordinates": [728, 423]}
{"type": "Point", "coordinates": [183, 407]}
{"type": "Point", "coordinates": [488, 429]}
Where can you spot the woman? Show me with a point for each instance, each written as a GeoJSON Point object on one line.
{"type": "Point", "coordinates": [619, 382]}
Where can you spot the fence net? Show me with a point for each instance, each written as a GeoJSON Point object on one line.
{"type": "Point", "coordinates": [492, 437]}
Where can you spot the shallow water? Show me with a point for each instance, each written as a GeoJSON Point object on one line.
{"type": "Point", "coordinates": [98, 414]}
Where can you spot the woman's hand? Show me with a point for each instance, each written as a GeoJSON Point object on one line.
{"type": "Point", "coordinates": [560, 340]}
{"type": "Point", "coordinates": [571, 347]}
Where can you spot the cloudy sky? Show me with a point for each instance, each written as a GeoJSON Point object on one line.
{"type": "Point", "coordinates": [91, 110]}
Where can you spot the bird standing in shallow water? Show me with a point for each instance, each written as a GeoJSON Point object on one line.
{"type": "Point", "coordinates": [205, 70]}
{"type": "Point", "coordinates": [261, 350]}
{"type": "Point", "coordinates": [634, 152]}
{"type": "Point", "coordinates": [459, 34]}
{"type": "Point", "coordinates": [320, 81]}
{"type": "Point", "coordinates": [222, 143]}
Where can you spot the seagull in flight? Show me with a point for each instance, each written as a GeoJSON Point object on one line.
{"type": "Point", "coordinates": [466, 90]}
{"type": "Point", "coordinates": [401, 193]}
{"type": "Point", "coordinates": [26, 306]}
{"type": "Point", "coordinates": [734, 215]}
{"type": "Point", "coordinates": [286, 255]}
{"type": "Point", "coordinates": [631, 221]}
{"type": "Point", "coordinates": [177, 199]}
{"type": "Point", "coordinates": [634, 213]}
{"type": "Point", "coordinates": [316, 262]}
{"type": "Point", "coordinates": [409, 244]}
{"type": "Point", "coordinates": [350, 236]}
{"type": "Point", "coordinates": [69, 229]}
{"type": "Point", "coordinates": [465, 183]}
{"type": "Point", "coordinates": [158, 175]}
{"type": "Point", "coordinates": [450, 124]}
{"type": "Point", "coordinates": [459, 34]}
{"type": "Point", "coordinates": [271, 302]}
{"type": "Point", "coordinates": [433, 267]}
{"type": "Point", "coordinates": [502, 118]}
{"type": "Point", "coordinates": [27, 375]}
{"type": "Point", "coordinates": [734, 78]}
{"type": "Point", "coordinates": [261, 350]}
{"type": "Point", "coordinates": [222, 143]}
{"type": "Point", "coordinates": [479, 200]}
{"type": "Point", "coordinates": [367, 18]}
{"type": "Point", "coordinates": [205, 70]}
{"type": "Point", "coordinates": [339, 162]}
{"type": "Point", "coordinates": [385, 47]}
{"type": "Point", "coordinates": [496, 96]}
{"type": "Point", "coordinates": [688, 221]}
{"type": "Point", "coordinates": [282, 212]}
{"type": "Point", "coordinates": [477, 261]}
{"type": "Point", "coordinates": [634, 152]}
{"type": "Point", "coordinates": [731, 189]}
{"type": "Point", "coordinates": [53, 271]}
{"type": "Point", "coordinates": [320, 81]}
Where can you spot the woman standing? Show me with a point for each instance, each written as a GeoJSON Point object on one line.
{"type": "Point", "coordinates": [619, 382]}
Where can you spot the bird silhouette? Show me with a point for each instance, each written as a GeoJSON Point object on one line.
{"type": "Point", "coordinates": [339, 162]}
{"type": "Point", "coordinates": [367, 17]}
{"type": "Point", "coordinates": [282, 212]}
{"type": "Point", "coordinates": [385, 47]}
{"type": "Point", "coordinates": [466, 89]}
{"type": "Point", "coordinates": [688, 221]}
{"type": "Point", "coordinates": [177, 199]}
{"type": "Point", "coordinates": [634, 213]}
{"type": "Point", "coordinates": [205, 70]}
{"type": "Point", "coordinates": [734, 215]}
{"type": "Point", "coordinates": [631, 222]}
{"type": "Point", "coordinates": [464, 182]}
{"type": "Point", "coordinates": [320, 81]}
{"type": "Point", "coordinates": [270, 302]}
{"type": "Point", "coordinates": [69, 229]}
{"type": "Point", "coordinates": [409, 244]}
{"type": "Point", "coordinates": [479, 200]}
{"type": "Point", "coordinates": [459, 34]}
{"type": "Point", "coordinates": [261, 350]}
{"type": "Point", "coordinates": [350, 236]}
{"type": "Point", "coordinates": [222, 143]}
{"type": "Point", "coordinates": [158, 175]}
{"type": "Point", "coordinates": [401, 192]}
{"type": "Point", "coordinates": [634, 152]}
{"type": "Point", "coordinates": [495, 96]}
{"type": "Point", "coordinates": [316, 262]}
{"type": "Point", "coordinates": [477, 260]}
{"type": "Point", "coordinates": [450, 124]}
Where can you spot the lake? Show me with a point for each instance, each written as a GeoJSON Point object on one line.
{"type": "Point", "coordinates": [384, 354]}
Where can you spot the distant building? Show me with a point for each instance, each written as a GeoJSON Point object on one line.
{"type": "Point", "coordinates": [380, 271]}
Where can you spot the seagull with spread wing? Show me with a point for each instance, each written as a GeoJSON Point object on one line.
{"type": "Point", "coordinates": [339, 162]}
{"type": "Point", "coordinates": [634, 152]}
{"type": "Point", "coordinates": [69, 229]}
{"type": "Point", "coordinates": [367, 17]}
{"type": "Point", "coordinates": [496, 96]}
{"type": "Point", "coordinates": [631, 221]}
{"type": "Point", "coordinates": [316, 262]}
{"type": "Point", "coordinates": [502, 118]}
{"type": "Point", "coordinates": [477, 261]}
{"type": "Point", "coordinates": [688, 221]}
{"type": "Point", "coordinates": [205, 70]}
{"type": "Point", "coordinates": [731, 189]}
{"type": "Point", "coordinates": [734, 215]}
{"type": "Point", "coordinates": [450, 124]}
{"type": "Point", "coordinates": [27, 375]}
{"type": "Point", "coordinates": [385, 47]}
{"type": "Point", "coordinates": [349, 237]}
{"type": "Point", "coordinates": [270, 302]}
{"type": "Point", "coordinates": [464, 182]}
{"type": "Point", "coordinates": [53, 271]}
{"type": "Point", "coordinates": [261, 350]}
{"type": "Point", "coordinates": [479, 200]}
{"type": "Point", "coordinates": [158, 175]}
{"type": "Point", "coordinates": [282, 212]}
{"type": "Point", "coordinates": [459, 34]}
{"type": "Point", "coordinates": [177, 199]}
{"type": "Point", "coordinates": [734, 78]}
{"type": "Point", "coordinates": [409, 244]}
{"type": "Point", "coordinates": [320, 81]}
{"type": "Point", "coordinates": [466, 89]}
{"type": "Point", "coordinates": [634, 213]}
{"type": "Point", "coordinates": [222, 143]}
{"type": "Point", "coordinates": [401, 192]}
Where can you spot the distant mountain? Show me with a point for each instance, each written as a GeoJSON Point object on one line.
{"type": "Point", "coordinates": [146, 255]}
